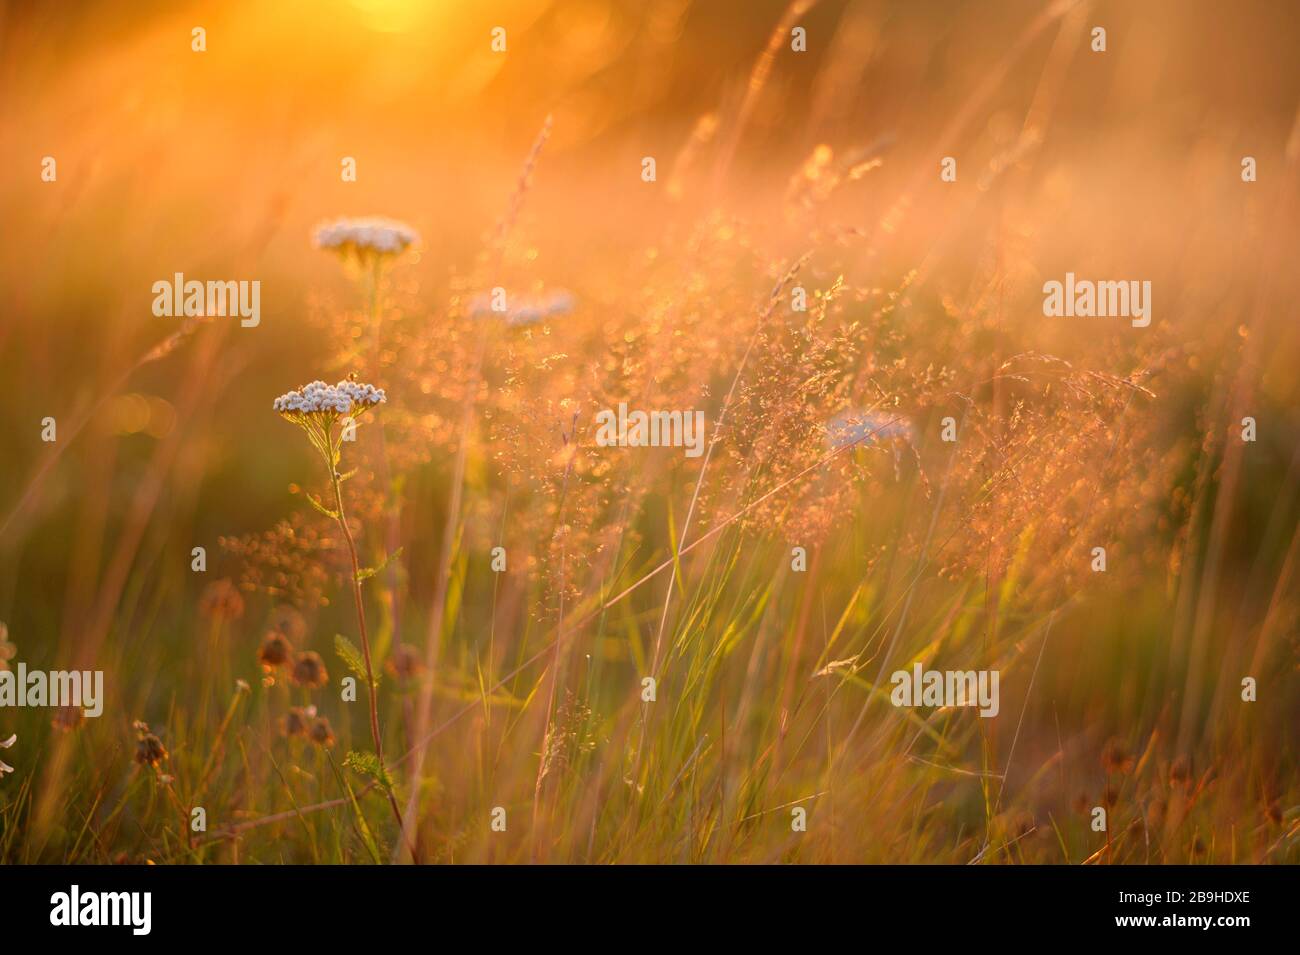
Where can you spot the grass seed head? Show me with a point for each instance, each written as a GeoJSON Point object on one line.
{"type": "Point", "coordinates": [149, 750]}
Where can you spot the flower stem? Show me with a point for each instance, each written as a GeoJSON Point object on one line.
{"type": "Point", "coordinates": [365, 648]}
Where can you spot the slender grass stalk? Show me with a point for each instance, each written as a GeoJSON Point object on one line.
{"type": "Point", "coordinates": [495, 253]}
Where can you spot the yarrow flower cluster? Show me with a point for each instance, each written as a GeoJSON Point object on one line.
{"type": "Point", "coordinates": [365, 238]}
{"type": "Point", "coordinates": [316, 408]}
{"type": "Point", "coordinates": [346, 397]}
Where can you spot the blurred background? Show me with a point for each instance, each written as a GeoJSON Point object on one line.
{"type": "Point", "coordinates": [218, 164]}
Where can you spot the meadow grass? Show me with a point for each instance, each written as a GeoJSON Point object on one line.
{"type": "Point", "coordinates": [510, 718]}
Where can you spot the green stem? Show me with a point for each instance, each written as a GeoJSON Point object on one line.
{"type": "Point", "coordinates": [365, 643]}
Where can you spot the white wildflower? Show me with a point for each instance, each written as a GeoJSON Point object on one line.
{"type": "Point", "coordinates": [317, 397]}
{"type": "Point", "coordinates": [5, 744]}
{"type": "Point", "coordinates": [366, 238]}
{"type": "Point", "coordinates": [316, 407]}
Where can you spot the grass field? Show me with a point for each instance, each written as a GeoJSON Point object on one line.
{"type": "Point", "coordinates": [570, 651]}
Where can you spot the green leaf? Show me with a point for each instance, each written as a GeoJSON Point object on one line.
{"type": "Point", "coordinates": [315, 502]}
{"type": "Point", "coordinates": [367, 764]}
{"type": "Point", "coordinates": [366, 573]}
{"type": "Point", "coordinates": [367, 837]}
{"type": "Point", "coordinates": [352, 657]}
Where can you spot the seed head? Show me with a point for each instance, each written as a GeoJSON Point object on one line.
{"type": "Point", "coordinates": [321, 733]}
{"type": "Point", "coordinates": [149, 750]}
{"type": "Point", "coordinates": [309, 670]}
{"type": "Point", "coordinates": [298, 719]}
{"type": "Point", "coordinates": [221, 600]}
{"type": "Point", "coordinates": [275, 650]}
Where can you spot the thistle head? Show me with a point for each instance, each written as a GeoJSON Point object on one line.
{"type": "Point", "coordinates": [274, 651]}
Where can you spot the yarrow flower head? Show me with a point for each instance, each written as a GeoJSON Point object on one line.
{"type": "Point", "coordinates": [318, 398]}
{"type": "Point", "coordinates": [365, 240]}
{"type": "Point", "coordinates": [316, 406]}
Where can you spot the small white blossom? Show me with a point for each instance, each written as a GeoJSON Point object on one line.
{"type": "Point", "coordinates": [366, 237]}
{"type": "Point", "coordinates": [317, 397]}
{"type": "Point", "coordinates": [5, 744]}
